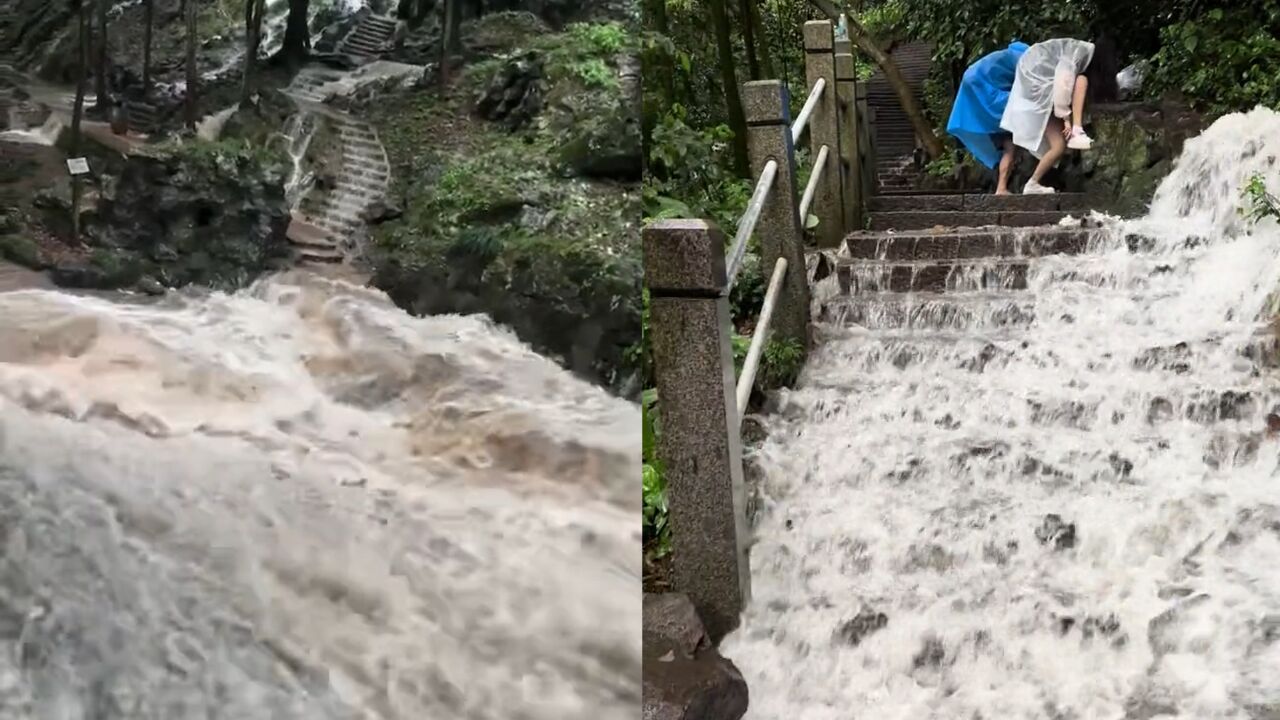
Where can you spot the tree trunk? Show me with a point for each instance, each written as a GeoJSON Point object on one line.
{"type": "Point", "coordinates": [449, 39]}
{"type": "Point", "coordinates": [254, 10]}
{"type": "Point", "coordinates": [77, 111]}
{"type": "Point", "coordinates": [297, 36]}
{"type": "Point", "coordinates": [193, 75]}
{"type": "Point", "coordinates": [665, 73]}
{"type": "Point", "coordinates": [762, 39]}
{"type": "Point", "coordinates": [150, 8]}
{"type": "Point", "coordinates": [933, 147]}
{"type": "Point", "coordinates": [729, 79]}
{"type": "Point", "coordinates": [749, 39]}
{"type": "Point", "coordinates": [100, 84]}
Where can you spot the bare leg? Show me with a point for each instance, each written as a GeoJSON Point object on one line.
{"type": "Point", "coordinates": [1057, 146]}
{"type": "Point", "coordinates": [1077, 100]}
{"type": "Point", "coordinates": [1006, 164]}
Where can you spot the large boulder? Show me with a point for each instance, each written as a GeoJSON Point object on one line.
{"type": "Point", "coordinates": [514, 93]}
{"type": "Point", "coordinates": [598, 123]}
{"type": "Point", "coordinates": [213, 214]}
{"type": "Point", "coordinates": [684, 677]}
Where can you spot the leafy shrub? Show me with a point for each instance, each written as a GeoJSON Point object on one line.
{"type": "Point", "coordinates": [657, 532]}
{"type": "Point", "coordinates": [1261, 203]}
{"type": "Point", "coordinates": [1223, 60]}
{"type": "Point", "coordinates": [783, 360]}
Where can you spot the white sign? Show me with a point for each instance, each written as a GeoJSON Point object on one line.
{"type": "Point", "coordinates": [78, 166]}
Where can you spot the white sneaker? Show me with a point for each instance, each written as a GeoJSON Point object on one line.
{"type": "Point", "coordinates": [1034, 188]}
{"type": "Point", "coordinates": [1079, 141]}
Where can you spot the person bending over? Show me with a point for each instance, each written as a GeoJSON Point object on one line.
{"type": "Point", "coordinates": [1054, 81]}
{"type": "Point", "coordinates": [979, 106]}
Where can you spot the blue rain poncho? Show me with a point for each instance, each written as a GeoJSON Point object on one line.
{"type": "Point", "coordinates": [979, 105]}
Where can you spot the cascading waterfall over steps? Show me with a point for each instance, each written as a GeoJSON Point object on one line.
{"type": "Point", "coordinates": [1047, 493]}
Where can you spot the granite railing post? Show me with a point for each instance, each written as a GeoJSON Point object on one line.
{"type": "Point", "coordinates": [699, 447]}
{"type": "Point", "coordinates": [819, 62]}
{"type": "Point", "coordinates": [850, 156]}
{"type": "Point", "coordinates": [767, 107]}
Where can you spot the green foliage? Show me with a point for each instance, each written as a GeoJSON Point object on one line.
{"type": "Point", "coordinates": [964, 30]}
{"type": "Point", "coordinates": [885, 22]}
{"type": "Point", "coordinates": [21, 250]}
{"type": "Point", "coordinates": [586, 50]}
{"type": "Point", "coordinates": [1261, 203]}
{"type": "Point", "coordinates": [690, 174]}
{"type": "Point", "coordinates": [603, 38]}
{"type": "Point", "coordinates": [1222, 60]}
{"type": "Point", "coordinates": [657, 532]}
{"type": "Point", "coordinates": [783, 360]}
{"type": "Point", "coordinates": [595, 73]}
{"type": "Point", "coordinates": [943, 166]}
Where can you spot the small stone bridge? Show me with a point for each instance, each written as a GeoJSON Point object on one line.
{"type": "Point", "coordinates": [889, 251]}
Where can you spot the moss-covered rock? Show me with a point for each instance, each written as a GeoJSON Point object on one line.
{"type": "Point", "coordinates": [496, 221]}
{"type": "Point", "coordinates": [1134, 146]}
{"type": "Point", "coordinates": [212, 214]}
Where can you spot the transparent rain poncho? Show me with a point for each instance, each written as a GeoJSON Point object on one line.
{"type": "Point", "coordinates": [1042, 86]}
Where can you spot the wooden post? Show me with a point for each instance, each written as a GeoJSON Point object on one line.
{"type": "Point", "coordinates": [767, 107]}
{"type": "Point", "coordinates": [700, 449]}
{"type": "Point", "coordinates": [850, 157]}
{"type": "Point", "coordinates": [819, 62]}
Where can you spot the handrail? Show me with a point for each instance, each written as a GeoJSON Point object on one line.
{"type": "Point", "coordinates": [748, 377]}
{"type": "Point", "coordinates": [819, 165]}
{"type": "Point", "coordinates": [747, 225]}
{"type": "Point", "coordinates": [797, 127]}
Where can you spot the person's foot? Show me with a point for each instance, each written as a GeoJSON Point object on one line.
{"type": "Point", "coordinates": [1078, 140]}
{"type": "Point", "coordinates": [1005, 191]}
{"type": "Point", "coordinates": [1034, 188]}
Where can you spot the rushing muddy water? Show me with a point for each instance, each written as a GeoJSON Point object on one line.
{"type": "Point", "coordinates": [906, 564]}
{"type": "Point", "coordinates": [298, 502]}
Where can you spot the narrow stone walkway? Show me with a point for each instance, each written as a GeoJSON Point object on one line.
{"type": "Point", "coordinates": [327, 225]}
{"type": "Point", "coordinates": [370, 37]}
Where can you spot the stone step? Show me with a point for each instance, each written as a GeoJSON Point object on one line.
{"type": "Point", "coordinates": [963, 218]}
{"type": "Point", "coordinates": [341, 223]}
{"type": "Point", "coordinates": [363, 136]}
{"type": "Point", "coordinates": [969, 243]}
{"type": "Point", "coordinates": [358, 143]}
{"type": "Point", "coordinates": [878, 276]}
{"type": "Point", "coordinates": [933, 202]}
{"type": "Point", "coordinates": [321, 255]}
{"type": "Point", "coordinates": [363, 159]}
{"type": "Point", "coordinates": [962, 312]}
{"type": "Point", "coordinates": [357, 192]}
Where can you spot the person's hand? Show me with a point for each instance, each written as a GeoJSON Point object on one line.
{"type": "Point", "coordinates": [1066, 131]}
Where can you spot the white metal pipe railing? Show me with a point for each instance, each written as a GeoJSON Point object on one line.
{"type": "Point", "coordinates": [748, 377]}
{"type": "Point", "coordinates": [747, 224]}
{"type": "Point", "coordinates": [815, 177]}
{"type": "Point", "coordinates": [797, 127]}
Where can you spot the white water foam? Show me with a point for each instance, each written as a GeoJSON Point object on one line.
{"type": "Point", "coordinates": [298, 502]}
{"type": "Point", "coordinates": [904, 480]}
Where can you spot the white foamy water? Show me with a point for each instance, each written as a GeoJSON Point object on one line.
{"type": "Point", "coordinates": [298, 502]}
{"type": "Point", "coordinates": [909, 472]}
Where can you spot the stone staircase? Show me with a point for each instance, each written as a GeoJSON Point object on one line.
{"type": "Point", "coordinates": [327, 225]}
{"type": "Point", "coordinates": [144, 117]}
{"type": "Point", "coordinates": [912, 210]}
{"type": "Point", "coordinates": [955, 262]}
{"type": "Point", "coordinates": [369, 38]}
{"type": "Point", "coordinates": [895, 174]}
{"type": "Point", "coordinates": [895, 138]}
